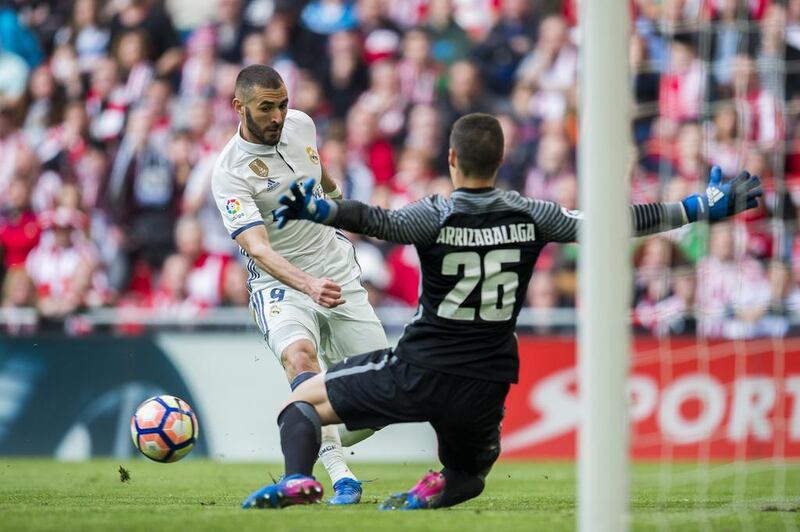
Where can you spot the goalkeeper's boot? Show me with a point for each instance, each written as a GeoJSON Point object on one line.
{"type": "Point", "coordinates": [346, 491]}
{"type": "Point", "coordinates": [291, 490]}
{"type": "Point", "coordinates": [426, 494]}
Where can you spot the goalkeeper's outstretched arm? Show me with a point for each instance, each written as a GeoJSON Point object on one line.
{"type": "Point", "coordinates": [419, 222]}
{"type": "Point", "coordinates": [557, 224]}
{"type": "Point", "coordinates": [722, 199]}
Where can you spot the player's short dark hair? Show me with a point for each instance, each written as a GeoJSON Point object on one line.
{"type": "Point", "coordinates": [257, 76]}
{"type": "Point", "coordinates": [477, 139]}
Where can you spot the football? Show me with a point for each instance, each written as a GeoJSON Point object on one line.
{"type": "Point", "coordinates": [164, 428]}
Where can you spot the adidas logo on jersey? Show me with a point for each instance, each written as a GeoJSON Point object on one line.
{"type": "Point", "coordinates": [272, 184]}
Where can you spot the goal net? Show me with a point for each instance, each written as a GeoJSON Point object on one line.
{"type": "Point", "coordinates": [714, 385]}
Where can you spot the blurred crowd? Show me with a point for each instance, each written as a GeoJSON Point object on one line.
{"type": "Point", "coordinates": [112, 114]}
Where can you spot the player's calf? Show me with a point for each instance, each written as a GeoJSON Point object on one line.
{"type": "Point", "coordinates": [301, 435]}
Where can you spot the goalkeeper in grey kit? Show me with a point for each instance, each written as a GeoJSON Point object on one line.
{"type": "Point", "coordinates": [457, 358]}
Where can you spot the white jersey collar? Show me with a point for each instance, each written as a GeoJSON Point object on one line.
{"type": "Point", "coordinates": [259, 149]}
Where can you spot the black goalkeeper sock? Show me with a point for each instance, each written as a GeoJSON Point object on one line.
{"type": "Point", "coordinates": [300, 427]}
{"type": "Point", "coordinates": [459, 487]}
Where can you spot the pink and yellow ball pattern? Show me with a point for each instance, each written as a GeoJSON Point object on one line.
{"type": "Point", "coordinates": [164, 428]}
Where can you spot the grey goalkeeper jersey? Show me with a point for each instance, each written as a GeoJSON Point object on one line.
{"type": "Point", "coordinates": [477, 250]}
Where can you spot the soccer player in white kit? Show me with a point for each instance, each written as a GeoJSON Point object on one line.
{"type": "Point", "coordinates": [304, 285]}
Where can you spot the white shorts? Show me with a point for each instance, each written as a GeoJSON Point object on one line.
{"type": "Point", "coordinates": [285, 316]}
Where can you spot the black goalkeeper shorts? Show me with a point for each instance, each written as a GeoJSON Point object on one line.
{"type": "Point", "coordinates": [378, 389]}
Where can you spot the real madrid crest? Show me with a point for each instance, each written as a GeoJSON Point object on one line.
{"type": "Point", "coordinates": [259, 167]}
{"type": "Point", "coordinates": [274, 310]}
{"type": "Point", "coordinates": [312, 154]}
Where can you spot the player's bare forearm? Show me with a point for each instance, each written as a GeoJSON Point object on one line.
{"type": "Point", "coordinates": [329, 186]}
{"type": "Point", "coordinates": [281, 269]}
{"type": "Point", "coordinates": [255, 241]}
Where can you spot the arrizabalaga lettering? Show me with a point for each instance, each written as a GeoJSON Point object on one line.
{"type": "Point", "coordinates": [490, 236]}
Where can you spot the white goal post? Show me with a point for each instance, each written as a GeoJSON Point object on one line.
{"type": "Point", "coordinates": [604, 266]}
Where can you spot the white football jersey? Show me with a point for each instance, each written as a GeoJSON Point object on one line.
{"type": "Point", "coordinates": [247, 181]}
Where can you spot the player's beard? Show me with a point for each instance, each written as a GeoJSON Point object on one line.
{"type": "Point", "coordinates": [257, 134]}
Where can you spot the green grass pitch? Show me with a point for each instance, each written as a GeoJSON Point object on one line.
{"type": "Point", "coordinates": [203, 495]}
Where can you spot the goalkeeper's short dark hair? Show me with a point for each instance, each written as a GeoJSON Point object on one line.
{"type": "Point", "coordinates": [477, 139]}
